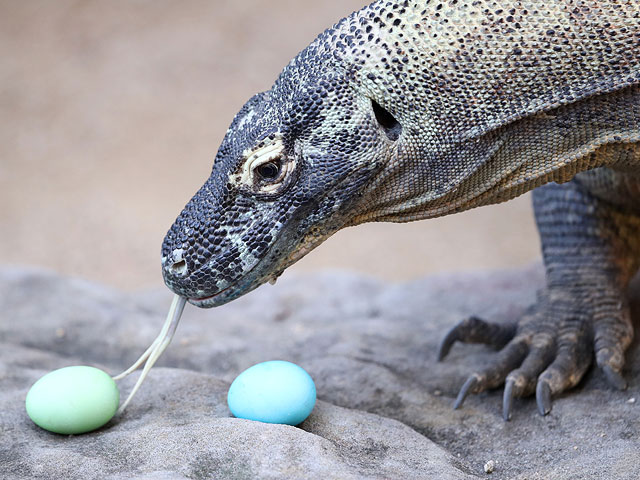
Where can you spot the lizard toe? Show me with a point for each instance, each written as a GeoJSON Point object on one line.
{"type": "Point", "coordinates": [614, 378]}
{"type": "Point", "coordinates": [494, 375]}
{"type": "Point", "coordinates": [476, 330]}
{"type": "Point", "coordinates": [522, 381]}
{"type": "Point", "coordinates": [571, 361]}
{"type": "Point", "coordinates": [613, 332]}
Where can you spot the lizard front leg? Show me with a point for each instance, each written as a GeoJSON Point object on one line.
{"type": "Point", "coordinates": [590, 250]}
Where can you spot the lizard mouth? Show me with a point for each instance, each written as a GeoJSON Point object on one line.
{"type": "Point", "coordinates": [209, 301]}
{"type": "Point", "coordinates": [226, 294]}
{"type": "Point", "coordinates": [255, 277]}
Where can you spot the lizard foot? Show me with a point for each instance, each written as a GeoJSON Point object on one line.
{"type": "Point", "coordinates": [550, 349]}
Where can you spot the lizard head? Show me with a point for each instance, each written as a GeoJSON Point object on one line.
{"type": "Point", "coordinates": [289, 170]}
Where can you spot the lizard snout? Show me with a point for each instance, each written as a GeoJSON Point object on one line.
{"type": "Point", "coordinates": [176, 272]}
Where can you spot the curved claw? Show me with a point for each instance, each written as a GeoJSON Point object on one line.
{"type": "Point", "coordinates": [507, 400]}
{"type": "Point", "coordinates": [615, 379]}
{"type": "Point", "coordinates": [543, 397]}
{"type": "Point", "coordinates": [469, 384]}
{"type": "Point", "coordinates": [447, 342]}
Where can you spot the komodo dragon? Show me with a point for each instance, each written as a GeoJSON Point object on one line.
{"type": "Point", "coordinates": [410, 110]}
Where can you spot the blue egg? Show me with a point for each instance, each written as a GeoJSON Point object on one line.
{"type": "Point", "coordinates": [273, 392]}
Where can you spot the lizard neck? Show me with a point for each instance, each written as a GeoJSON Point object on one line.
{"type": "Point", "coordinates": [552, 146]}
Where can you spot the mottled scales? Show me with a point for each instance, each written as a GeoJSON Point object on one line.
{"type": "Point", "coordinates": [409, 110]}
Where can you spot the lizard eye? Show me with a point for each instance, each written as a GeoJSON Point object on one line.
{"type": "Point", "coordinates": [266, 170]}
{"type": "Point", "coordinates": [270, 170]}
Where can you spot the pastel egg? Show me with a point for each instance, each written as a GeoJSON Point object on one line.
{"type": "Point", "coordinates": [73, 400]}
{"type": "Point", "coordinates": [273, 392]}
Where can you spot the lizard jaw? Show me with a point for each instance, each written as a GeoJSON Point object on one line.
{"type": "Point", "coordinates": [218, 298]}
{"type": "Point", "coordinates": [226, 294]}
{"type": "Point", "coordinates": [235, 290]}
{"type": "Point", "coordinates": [206, 302]}
{"type": "Point", "coordinates": [231, 292]}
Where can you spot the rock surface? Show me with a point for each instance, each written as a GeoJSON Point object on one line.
{"type": "Point", "coordinates": [384, 408]}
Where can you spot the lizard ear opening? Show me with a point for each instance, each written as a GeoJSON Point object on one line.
{"type": "Point", "coordinates": [389, 124]}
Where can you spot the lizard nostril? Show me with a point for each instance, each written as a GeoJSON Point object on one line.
{"type": "Point", "coordinates": [179, 268]}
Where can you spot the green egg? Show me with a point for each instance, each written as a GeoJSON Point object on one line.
{"type": "Point", "coordinates": [73, 400]}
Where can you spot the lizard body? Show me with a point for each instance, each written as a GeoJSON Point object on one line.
{"type": "Point", "coordinates": [410, 110]}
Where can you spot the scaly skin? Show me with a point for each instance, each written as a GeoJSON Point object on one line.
{"type": "Point", "coordinates": [411, 110]}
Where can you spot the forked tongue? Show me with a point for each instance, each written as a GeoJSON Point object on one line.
{"type": "Point", "coordinates": [151, 355]}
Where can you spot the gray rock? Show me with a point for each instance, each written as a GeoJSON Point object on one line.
{"type": "Point", "coordinates": [384, 408]}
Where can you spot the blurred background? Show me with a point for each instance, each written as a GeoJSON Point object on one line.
{"type": "Point", "coordinates": [111, 114]}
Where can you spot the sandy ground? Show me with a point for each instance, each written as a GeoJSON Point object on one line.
{"type": "Point", "coordinates": [111, 113]}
